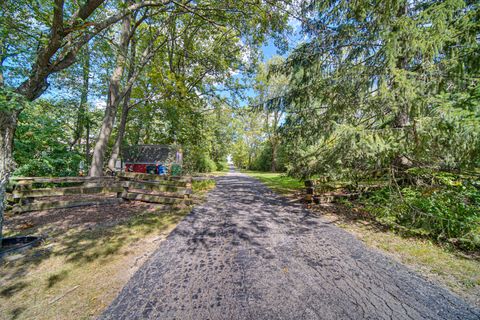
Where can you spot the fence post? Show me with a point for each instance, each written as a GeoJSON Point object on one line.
{"type": "Point", "coordinates": [310, 190]}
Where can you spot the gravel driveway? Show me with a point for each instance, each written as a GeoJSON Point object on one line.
{"type": "Point", "coordinates": [249, 254]}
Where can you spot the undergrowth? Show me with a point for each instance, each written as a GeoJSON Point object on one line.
{"type": "Point", "coordinates": [439, 205]}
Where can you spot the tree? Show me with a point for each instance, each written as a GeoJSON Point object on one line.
{"type": "Point", "coordinates": [367, 89]}
{"type": "Point", "coordinates": [188, 64]}
{"type": "Point", "coordinates": [270, 90]}
{"type": "Point", "coordinates": [69, 27]}
{"type": "Point", "coordinates": [49, 37]}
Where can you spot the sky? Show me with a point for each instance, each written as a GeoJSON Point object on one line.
{"type": "Point", "coordinates": [269, 50]}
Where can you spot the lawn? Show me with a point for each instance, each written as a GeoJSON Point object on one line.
{"type": "Point", "coordinates": [277, 182]}
{"type": "Point", "coordinates": [88, 256]}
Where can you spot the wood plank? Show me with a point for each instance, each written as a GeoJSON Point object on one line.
{"type": "Point", "coordinates": [178, 194]}
{"type": "Point", "coordinates": [332, 197]}
{"type": "Point", "coordinates": [153, 177]}
{"type": "Point", "coordinates": [32, 180]}
{"type": "Point", "coordinates": [153, 186]}
{"type": "Point", "coordinates": [161, 182]}
{"type": "Point", "coordinates": [154, 198]}
{"type": "Point", "coordinates": [47, 205]}
{"type": "Point", "coordinates": [51, 192]}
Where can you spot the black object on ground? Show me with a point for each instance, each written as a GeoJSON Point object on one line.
{"type": "Point", "coordinates": [18, 244]}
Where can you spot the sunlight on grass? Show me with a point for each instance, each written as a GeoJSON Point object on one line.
{"type": "Point", "coordinates": [277, 182]}
{"type": "Point", "coordinates": [78, 273]}
{"type": "Point", "coordinates": [203, 185]}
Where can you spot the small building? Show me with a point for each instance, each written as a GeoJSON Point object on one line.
{"type": "Point", "coordinates": [153, 159]}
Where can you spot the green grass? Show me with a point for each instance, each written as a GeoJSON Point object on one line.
{"type": "Point", "coordinates": [203, 185]}
{"type": "Point", "coordinates": [277, 182]}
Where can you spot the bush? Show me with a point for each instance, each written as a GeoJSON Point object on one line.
{"type": "Point", "coordinates": [448, 210]}
{"type": "Point", "coordinates": [59, 164]}
{"type": "Point", "coordinates": [263, 162]}
{"type": "Point", "coordinates": [204, 164]}
{"type": "Point", "coordinates": [222, 165]}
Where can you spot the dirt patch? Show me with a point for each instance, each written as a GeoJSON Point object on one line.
{"type": "Point", "coordinates": [88, 256]}
{"type": "Point", "coordinates": [58, 220]}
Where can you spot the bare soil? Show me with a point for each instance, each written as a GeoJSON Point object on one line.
{"type": "Point", "coordinates": [86, 217]}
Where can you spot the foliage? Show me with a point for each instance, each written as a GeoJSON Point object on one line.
{"type": "Point", "coordinates": [202, 163]}
{"type": "Point", "coordinates": [222, 165]}
{"type": "Point", "coordinates": [259, 126]}
{"type": "Point", "coordinates": [11, 101]}
{"type": "Point", "coordinates": [442, 205]}
{"type": "Point", "coordinates": [263, 161]}
{"type": "Point", "coordinates": [383, 84]}
{"type": "Point", "coordinates": [41, 147]}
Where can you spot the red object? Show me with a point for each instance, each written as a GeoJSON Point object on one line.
{"type": "Point", "coordinates": [141, 168]}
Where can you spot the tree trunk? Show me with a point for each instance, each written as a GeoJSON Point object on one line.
{"type": "Point", "coordinates": [87, 142]}
{"type": "Point", "coordinates": [83, 109]}
{"type": "Point", "coordinates": [8, 124]}
{"type": "Point", "coordinates": [402, 117]}
{"type": "Point", "coordinates": [117, 147]}
{"type": "Point", "coordinates": [274, 157]}
{"type": "Point", "coordinates": [114, 98]}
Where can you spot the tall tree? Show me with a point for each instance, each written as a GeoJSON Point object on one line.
{"type": "Point", "coordinates": [69, 28]}
{"type": "Point", "coordinates": [190, 60]}
{"type": "Point", "coordinates": [270, 89]}
{"type": "Point", "coordinates": [365, 89]}
{"type": "Point", "coordinates": [115, 96]}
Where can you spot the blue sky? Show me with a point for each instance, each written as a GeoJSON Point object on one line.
{"type": "Point", "coordinates": [269, 49]}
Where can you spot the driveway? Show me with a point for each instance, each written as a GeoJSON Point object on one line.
{"type": "Point", "coordinates": [247, 253]}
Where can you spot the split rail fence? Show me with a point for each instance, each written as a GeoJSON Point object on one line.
{"type": "Point", "coordinates": [42, 193]}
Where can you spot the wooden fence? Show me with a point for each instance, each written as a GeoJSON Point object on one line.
{"type": "Point", "coordinates": [41, 193]}
{"type": "Point", "coordinates": [324, 191]}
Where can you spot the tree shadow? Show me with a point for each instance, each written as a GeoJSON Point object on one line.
{"type": "Point", "coordinates": [242, 211]}
{"type": "Point", "coordinates": [83, 244]}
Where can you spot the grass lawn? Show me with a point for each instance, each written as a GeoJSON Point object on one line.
{"type": "Point", "coordinates": [278, 182]}
{"type": "Point", "coordinates": [446, 266]}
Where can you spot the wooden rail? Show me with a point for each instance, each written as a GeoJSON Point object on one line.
{"type": "Point", "coordinates": [25, 194]}
{"type": "Point", "coordinates": [324, 191]}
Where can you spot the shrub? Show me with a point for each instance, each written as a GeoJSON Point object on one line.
{"type": "Point", "coordinates": [205, 164]}
{"type": "Point", "coordinates": [222, 165]}
{"type": "Point", "coordinates": [448, 210]}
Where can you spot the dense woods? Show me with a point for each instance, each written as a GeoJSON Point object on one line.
{"type": "Point", "coordinates": [372, 90]}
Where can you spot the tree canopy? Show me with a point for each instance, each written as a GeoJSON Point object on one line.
{"type": "Point", "coordinates": [369, 87]}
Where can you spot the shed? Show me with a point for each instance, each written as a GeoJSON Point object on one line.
{"type": "Point", "coordinates": [153, 158]}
